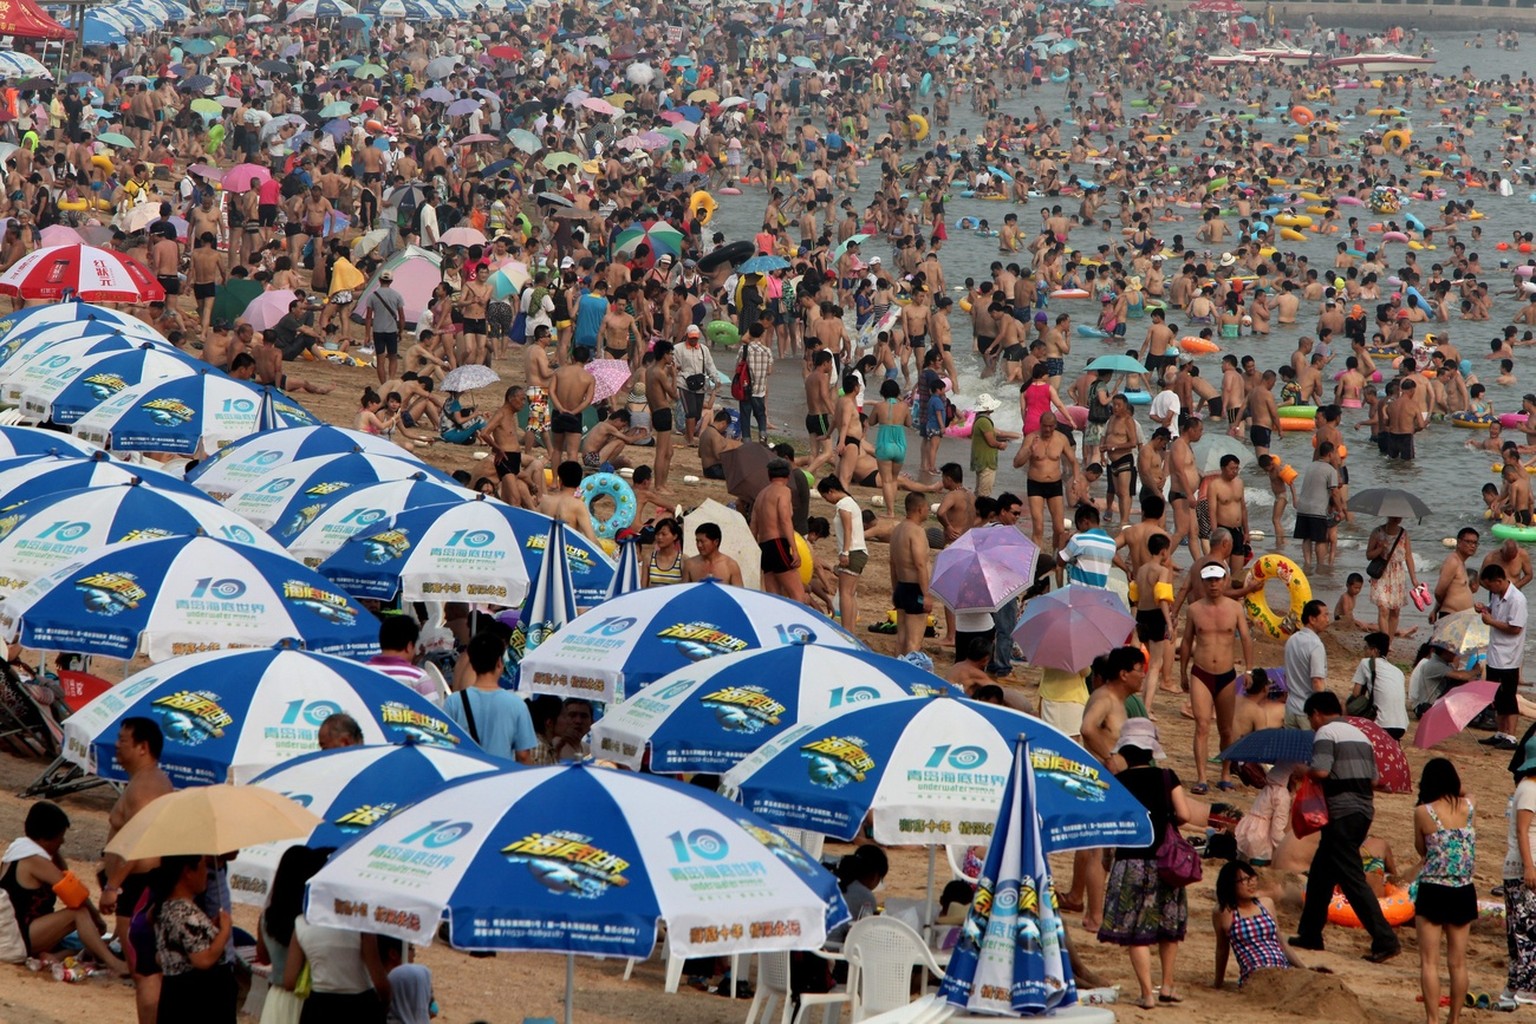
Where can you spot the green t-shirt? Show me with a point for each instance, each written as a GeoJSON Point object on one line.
{"type": "Point", "coordinates": [983, 455]}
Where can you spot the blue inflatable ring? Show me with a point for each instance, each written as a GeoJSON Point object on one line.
{"type": "Point", "coordinates": [612, 486]}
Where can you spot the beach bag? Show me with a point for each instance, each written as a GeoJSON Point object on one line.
{"type": "Point", "coordinates": [1178, 862]}
{"type": "Point", "coordinates": [1376, 568]}
{"type": "Point", "coordinates": [1309, 809]}
{"type": "Point", "coordinates": [1364, 704]}
{"type": "Point", "coordinates": [281, 1006]}
{"type": "Point", "coordinates": [741, 379]}
{"type": "Point", "coordinates": [13, 949]}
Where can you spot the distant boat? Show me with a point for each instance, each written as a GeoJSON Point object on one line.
{"type": "Point", "coordinates": [1227, 58]}
{"type": "Point", "coordinates": [1379, 63]}
{"type": "Point", "coordinates": [1290, 57]}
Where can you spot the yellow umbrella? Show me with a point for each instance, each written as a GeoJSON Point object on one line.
{"type": "Point", "coordinates": [620, 99]}
{"type": "Point", "coordinates": [703, 96]}
{"type": "Point", "coordinates": [211, 820]}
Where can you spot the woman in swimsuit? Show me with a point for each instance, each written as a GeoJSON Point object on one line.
{"type": "Point", "coordinates": [890, 418]}
{"type": "Point", "coordinates": [665, 566]}
{"type": "Point", "coordinates": [1038, 396]}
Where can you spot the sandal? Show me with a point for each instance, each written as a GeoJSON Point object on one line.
{"type": "Point", "coordinates": [1226, 785]}
{"type": "Point", "coordinates": [1200, 789]}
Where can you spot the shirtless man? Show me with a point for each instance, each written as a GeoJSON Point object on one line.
{"type": "Point", "coordinates": [1136, 538]}
{"type": "Point", "coordinates": [1261, 415]}
{"type": "Point", "coordinates": [661, 399]}
{"type": "Point", "coordinates": [139, 742]}
{"type": "Point", "coordinates": [1154, 607]}
{"type": "Point", "coordinates": [1229, 508]}
{"type": "Point", "coordinates": [1451, 591]}
{"type": "Point", "coordinates": [605, 442]}
{"type": "Point", "coordinates": [540, 375]}
{"type": "Point", "coordinates": [204, 218]}
{"type": "Point", "coordinates": [1103, 716]}
{"type": "Point", "coordinates": [819, 401]}
{"type": "Point", "coordinates": [1152, 462]}
{"type": "Point", "coordinates": [910, 573]}
{"type": "Point", "coordinates": [1122, 439]}
{"type": "Point", "coordinates": [1186, 482]}
{"type": "Point", "coordinates": [1057, 347]}
{"type": "Point", "coordinates": [773, 527]}
{"type": "Point", "coordinates": [1043, 452]}
{"type": "Point", "coordinates": [957, 509]}
{"type": "Point", "coordinates": [165, 261]}
{"type": "Point", "coordinates": [1206, 653]}
{"type": "Point", "coordinates": [618, 334]}
{"type": "Point", "coordinates": [1154, 349]}
{"type": "Point", "coordinates": [569, 398]}
{"type": "Point", "coordinates": [562, 503]}
{"type": "Point", "coordinates": [207, 272]}
{"type": "Point", "coordinates": [472, 301]}
{"type": "Point", "coordinates": [1511, 557]}
{"type": "Point", "coordinates": [710, 563]}
{"type": "Point", "coordinates": [507, 443]}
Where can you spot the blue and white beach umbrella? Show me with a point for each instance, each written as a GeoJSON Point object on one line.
{"type": "Point", "coordinates": [251, 458]}
{"type": "Point", "coordinates": [286, 491]}
{"type": "Point", "coordinates": [552, 603]}
{"type": "Point", "coordinates": [183, 595]}
{"type": "Point", "coordinates": [931, 771]}
{"type": "Point", "coordinates": [466, 550]}
{"type": "Point", "coordinates": [352, 789]}
{"type": "Point", "coordinates": [231, 715]}
{"type": "Point", "coordinates": [19, 442]}
{"type": "Point", "coordinates": [73, 311]}
{"type": "Point", "coordinates": [707, 717]}
{"type": "Point", "coordinates": [87, 381]}
{"type": "Point", "coordinates": [185, 416]}
{"type": "Point", "coordinates": [1011, 957]}
{"type": "Point", "coordinates": [30, 477]}
{"type": "Point", "coordinates": [622, 645]}
{"type": "Point", "coordinates": [626, 576]}
{"type": "Point", "coordinates": [57, 350]}
{"type": "Point", "coordinates": [43, 535]}
{"type": "Point", "coordinates": [315, 531]}
{"type": "Point", "coordinates": [579, 859]}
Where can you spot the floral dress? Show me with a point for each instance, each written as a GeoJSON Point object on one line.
{"type": "Point", "coordinates": [1391, 591]}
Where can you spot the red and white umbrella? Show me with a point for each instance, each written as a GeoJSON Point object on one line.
{"type": "Point", "coordinates": [82, 272]}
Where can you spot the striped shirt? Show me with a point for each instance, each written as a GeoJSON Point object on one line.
{"type": "Point", "coordinates": [403, 671]}
{"type": "Point", "coordinates": [1345, 753]}
{"type": "Point", "coordinates": [1089, 556]}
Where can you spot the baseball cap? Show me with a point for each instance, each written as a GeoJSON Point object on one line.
{"type": "Point", "coordinates": [874, 260]}
{"type": "Point", "coordinates": [567, 263]}
{"type": "Point", "coordinates": [1213, 572]}
{"type": "Point", "coordinates": [387, 276]}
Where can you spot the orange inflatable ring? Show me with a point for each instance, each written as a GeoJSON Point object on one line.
{"type": "Point", "coordinates": [1197, 345]}
{"type": "Point", "coordinates": [1301, 115]}
{"type": "Point", "coordinates": [1296, 423]}
{"type": "Point", "coordinates": [1396, 907]}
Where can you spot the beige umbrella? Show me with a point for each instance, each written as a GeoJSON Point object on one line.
{"type": "Point", "coordinates": [211, 820]}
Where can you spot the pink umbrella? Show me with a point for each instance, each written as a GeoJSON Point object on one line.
{"type": "Point", "coordinates": [600, 106]}
{"type": "Point", "coordinates": [1392, 772]}
{"type": "Point", "coordinates": [477, 137]}
{"type": "Point", "coordinates": [465, 236]}
{"type": "Point", "coordinates": [241, 177]}
{"type": "Point", "coordinates": [268, 308]}
{"type": "Point", "coordinates": [208, 171]}
{"type": "Point", "coordinates": [611, 376]}
{"type": "Point", "coordinates": [984, 569]}
{"type": "Point", "coordinates": [1451, 713]}
{"type": "Point", "coordinates": [60, 234]}
{"type": "Point", "coordinates": [1068, 628]}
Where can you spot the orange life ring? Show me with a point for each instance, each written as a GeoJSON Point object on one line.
{"type": "Point", "coordinates": [1396, 907]}
{"type": "Point", "coordinates": [1301, 115]}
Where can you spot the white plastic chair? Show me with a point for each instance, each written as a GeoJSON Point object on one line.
{"type": "Point", "coordinates": [956, 853]}
{"type": "Point", "coordinates": [811, 842]}
{"type": "Point", "coordinates": [882, 952]}
{"type": "Point", "coordinates": [673, 979]}
{"type": "Point", "coordinates": [773, 991]}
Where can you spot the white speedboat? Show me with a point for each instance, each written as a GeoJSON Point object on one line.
{"type": "Point", "coordinates": [1382, 63]}
{"type": "Point", "coordinates": [1228, 58]}
{"type": "Point", "coordinates": [1290, 57]}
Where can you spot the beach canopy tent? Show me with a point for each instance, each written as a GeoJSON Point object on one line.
{"type": "Point", "coordinates": [23, 19]}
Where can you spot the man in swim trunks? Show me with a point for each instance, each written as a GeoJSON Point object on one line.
{"type": "Point", "coordinates": [569, 399]}
{"type": "Point", "coordinates": [819, 400]}
{"type": "Point", "coordinates": [1261, 414]}
{"type": "Point", "coordinates": [1206, 653]}
{"type": "Point", "coordinates": [773, 527]}
{"type": "Point", "coordinates": [660, 398]}
{"type": "Point", "coordinates": [1043, 452]}
{"type": "Point", "coordinates": [910, 573]}
{"type": "Point", "coordinates": [540, 375]}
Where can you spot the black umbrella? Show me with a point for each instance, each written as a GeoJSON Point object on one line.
{"type": "Point", "coordinates": [553, 198]}
{"type": "Point", "coordinates": [523, 111]}
{"type": "Point", "coordinates": [1388, 502]}
{"type": "Point", "coordinates": [197, 83]}
{"type": "Point", "coordinates": [746, 469]}
{"type": "Point", "coordinates": [277, 67]}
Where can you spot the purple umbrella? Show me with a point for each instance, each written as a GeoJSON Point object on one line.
{"type": "Point", "coordinates": [1068, 628]}
{"type": "Point", "coordinates": [984, 569]}
{"type": "Point", "coordinates": [437, 94]}
{"type": "Point", "coordinates": [458, 108]}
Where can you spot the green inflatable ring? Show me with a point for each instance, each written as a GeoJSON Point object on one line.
{"type": "Point", "coordinates": [722, 332]}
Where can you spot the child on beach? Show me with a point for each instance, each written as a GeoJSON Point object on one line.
{"type": "Point", "coordinates": [1283, 486]}
{"type": "Point", "coordinates": [1344, 611]}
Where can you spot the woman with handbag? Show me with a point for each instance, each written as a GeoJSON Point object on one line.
{"type": "Point", "coordinates": [1390, 568]}
{"type": "Point", "coordinates": [1445, 835]}
{"type": "Point", "coordinates": [274, 933]}
{"type": "Point", "coordinates": [1380, 691]}
{"type": "Point", "coordinates": [1144, 901]}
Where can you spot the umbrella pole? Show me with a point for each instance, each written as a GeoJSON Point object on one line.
{"type": "Point", "coordinates": [570, 985]}
{"type": "Point", "coordinates": [933, 856]}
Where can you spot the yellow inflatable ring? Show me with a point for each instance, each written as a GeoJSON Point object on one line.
{"type": "Point", "coordinates": [1397, 140]}
{"type": "Point", "coordinates": [702, 207]}
{"type": "Point", "coordinates": [1293, 220]}
{"type": "Point", "coordinates": [103, 161]}
{"type": "Point", "coordinates": [73, 205]}
{"type": "Point", "coordinates": [807, 561]}
{"type": "Point", "coordinates": [920, 127]}
{"type": "Point", "coordinates": [1278, 567]}
{"type": "Point", "coordinates": [1396, 907]}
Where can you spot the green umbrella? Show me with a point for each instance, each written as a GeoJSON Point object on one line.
{"type": "Point", "coordinates": [556, 160]}
{"type": "Point", "coordinates": [340, 108]}
{"type": "Point", "coordinates": [369, 71]}
{"type": "Point", "coordinates": [525, 140]}
{"type": "Point", "coordinates": [114, 139]}
{"type": "Point", "coordinates": [661, 236]}
{"type": "Point", "coordinates": [231, 298]}
{"type": "Point", "coordinates": [346, 64]}
{"type": "Point", "coordinates": [852, 239]}
{"type": "Point", "coordinates": [673, 134]}
{"type": "Point", "coordinates": [204, 105]}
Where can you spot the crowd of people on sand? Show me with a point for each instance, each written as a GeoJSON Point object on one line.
{"type": "Point", "coordinates": [542, 191]}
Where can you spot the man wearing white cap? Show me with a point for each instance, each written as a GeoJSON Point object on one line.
{"type": "Point", "coordinates": [1208, 645]}
{"type": "Point", "coordinates": [986, 442]}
